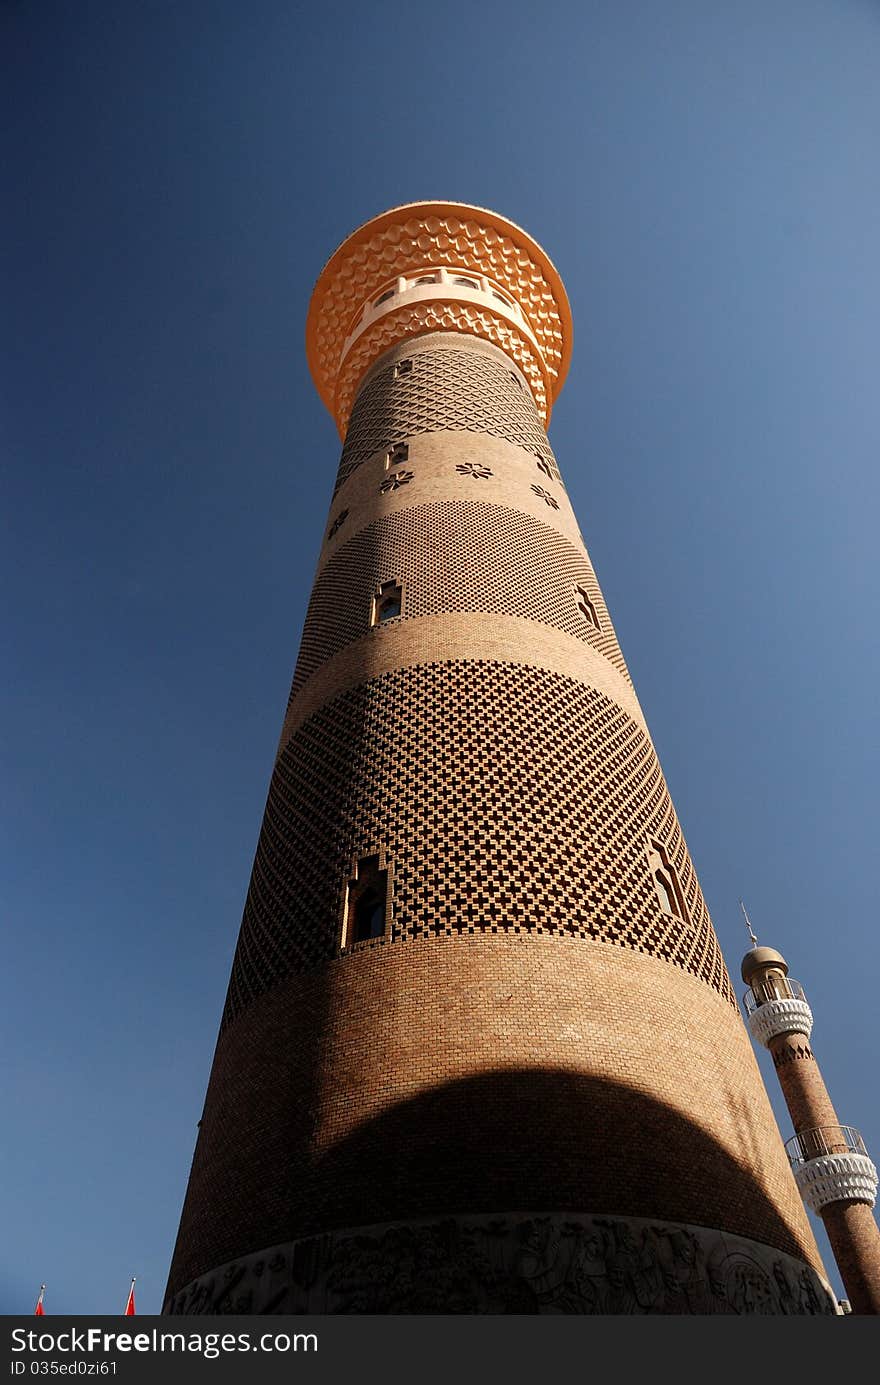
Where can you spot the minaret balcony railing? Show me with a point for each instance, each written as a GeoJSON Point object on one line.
{"type": "Point", "coordinates": [830, 1164]}
{"type": "Point", "coordinates": [777, 1006]}
{"type": "Point", "coordinates": [823, 1139]}
{"type": "Point", "coordinates": [780, 988]}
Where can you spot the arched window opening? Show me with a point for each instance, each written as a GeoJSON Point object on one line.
{"type": "Point", "coordinates": [586, 607]}
{"type": "Point", "coordinates": [670, 894]}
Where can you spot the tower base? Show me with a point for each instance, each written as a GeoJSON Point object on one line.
{"type": "Point", "coordinates": [538, 1262]}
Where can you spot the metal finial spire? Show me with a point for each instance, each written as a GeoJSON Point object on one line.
{"type": "Point", "coordinates": [749, 925]}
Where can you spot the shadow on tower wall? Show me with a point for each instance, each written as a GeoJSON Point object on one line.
{"type": "Point", "coordinates": [537, 1139]}
{"type": "Point", "coordinates": [504, 1146]}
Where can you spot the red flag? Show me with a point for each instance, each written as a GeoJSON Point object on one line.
{"type": "Point", "coordinates": [38, 1311]}
{"type": "Point", "coordinates": [129, 1307]}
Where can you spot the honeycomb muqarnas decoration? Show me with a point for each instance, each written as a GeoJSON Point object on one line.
{"type": "Point", "coordinates": [419, 236]}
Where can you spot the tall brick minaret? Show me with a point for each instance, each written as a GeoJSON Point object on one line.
{"type": "Point", "coordinates": [480, 1052]}
{"type": "Point", "coordinates": [837, 1179]}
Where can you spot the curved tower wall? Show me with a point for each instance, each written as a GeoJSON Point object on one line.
{"type": "Point", "coordinates": [532, 1090]}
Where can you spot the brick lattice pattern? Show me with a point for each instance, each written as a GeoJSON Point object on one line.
{"type": "Point", "coordinates": [444, 389]}
{"type": "Point", "coordinates": [454, 556]}
{"type": "Point", "coordinates": [556, 791]}
{"type": "Point", "coordinates": [535, 1029]}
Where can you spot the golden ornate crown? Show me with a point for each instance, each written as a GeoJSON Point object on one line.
{"type": "Point", "coordinates": [437, 267]}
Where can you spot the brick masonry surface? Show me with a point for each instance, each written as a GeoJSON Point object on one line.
{"type": "Point", "coordinates": [851, 1227]}
{"type": "Point", "coordinates": [505, 798]}
{"type": "Point", "coordinates": [537, 1029]}
{"type": "Point", "coordinates": [472, 637]}
{"type": "Point", "coordinates": [456, 556]}
{"type": "Point", "coordinates": [447, 466]}
{"type": "Point", "coordinates": [451, 385]}
{"type": "Point", "coordinates": [470, 1073]}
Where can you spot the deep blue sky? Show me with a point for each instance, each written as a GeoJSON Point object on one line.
{"type": "Point", "coordinates": [705, 176]}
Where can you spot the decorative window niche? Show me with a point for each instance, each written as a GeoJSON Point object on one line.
{"type": "Point", "coordinates": [586, 607]}
{"type": "Point", "coordinates": [366, 912]}
{"type": "Point", "coordinates": [402, 368]}
{"type": "Point", "coordinates": [546, 497]}
{"type": "Point", "coordinates": [666, 882]}
{"type": "Point", "coordinates": [387, 602]}
{"type": "Point", "coordinates": [396, 455]}
{"type": "Point", "coordinates": [395, 479]}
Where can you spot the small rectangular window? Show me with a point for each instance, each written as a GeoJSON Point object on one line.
{"type": "Point", "coordinates": [398, 454]}
{"type": "Point", "coordinates": [402, 368]}
{"type": "Point", "coordinates": [387, 602]}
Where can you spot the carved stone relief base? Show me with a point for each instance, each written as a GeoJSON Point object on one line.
{"type": "Point", "coordinates": [514, 1263]}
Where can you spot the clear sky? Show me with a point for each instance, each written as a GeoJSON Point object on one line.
{"type": "Point", "coordinates": [175, 174]}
